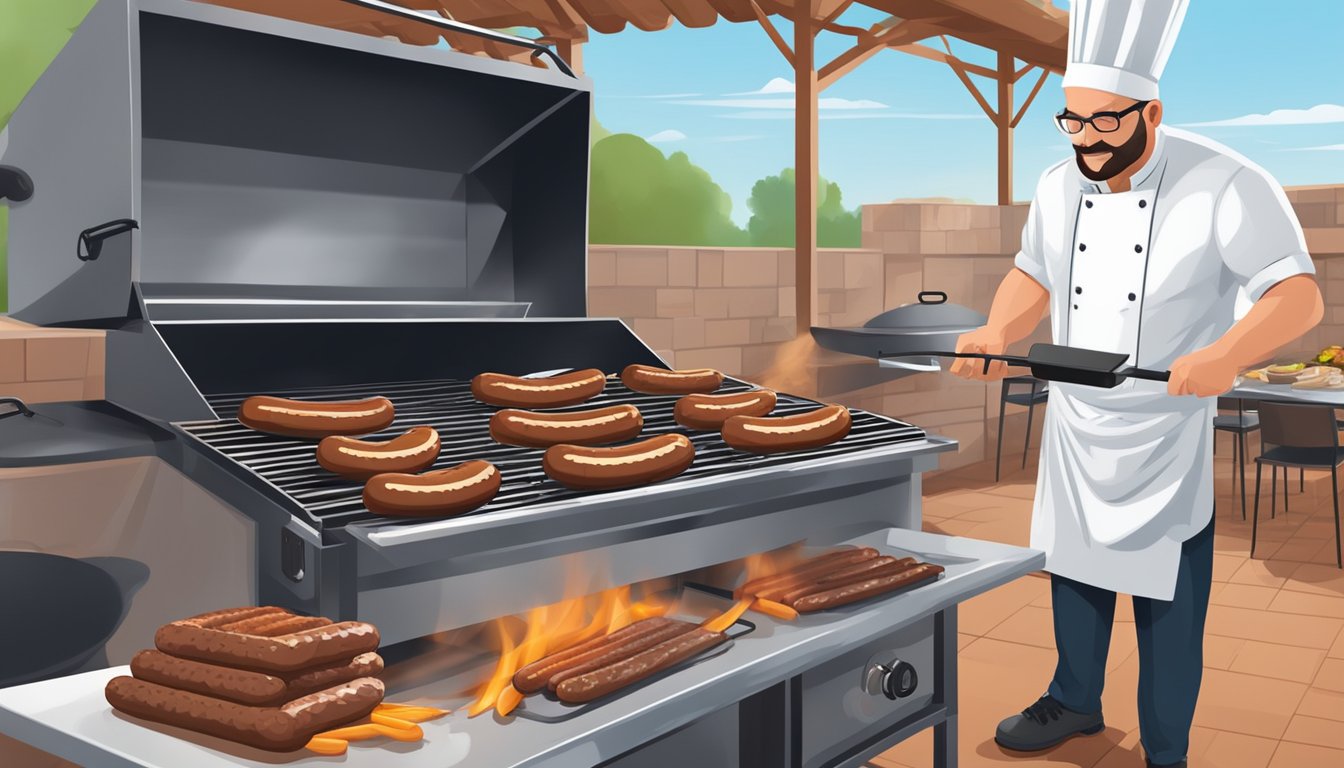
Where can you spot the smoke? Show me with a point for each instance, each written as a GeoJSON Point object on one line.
{"type": "Point", "coordinates": [794, 369]}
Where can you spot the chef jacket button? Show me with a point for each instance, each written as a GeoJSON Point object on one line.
{"type": "Point", "coordinates": [1143, 203]}
{"type": "Point", "coordinates": [1132, 297]}
{"type": "Point", "coordinates": [1138, 249]}
{"type": "Point", "coordinates": [1088, 203]}
{"type": "Point", "coordinates": [1082, 246]}
{"type": "Point", "coordinates": [1079, 289]}
{"type": "Point", "coordinates": [1075, 306]}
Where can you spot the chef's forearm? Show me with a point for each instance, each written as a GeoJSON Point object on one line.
{"type": "Point", "coordinates": [1018, 307]}
{"type": "Point", "coordinates": [1282, 315]}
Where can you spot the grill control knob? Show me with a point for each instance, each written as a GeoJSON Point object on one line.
{"type": "Point", "coordinates": [895, 680]}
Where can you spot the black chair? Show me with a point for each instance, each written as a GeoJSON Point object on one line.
{"type": "Point", "coordinates": [1298, 435]}
{"type": "Point", "coordinates": [1243, 423]}
{"type": "Point", "coordinates": [1037, 392]}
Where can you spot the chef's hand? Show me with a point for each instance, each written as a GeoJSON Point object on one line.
{"type": "Point", "coordinates": [984, 341]}
{"type": "Point", "coordinates": [1202, 373]}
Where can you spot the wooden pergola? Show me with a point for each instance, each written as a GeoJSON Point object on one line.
{"type": "Point", "coordinates": [1028, 36]}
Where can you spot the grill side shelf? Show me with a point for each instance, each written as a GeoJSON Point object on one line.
{"type": "Point", "coordinates": [286, 469]}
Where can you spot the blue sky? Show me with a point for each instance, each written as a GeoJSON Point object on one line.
{"type": "Point", "coordinates": [906, 127]}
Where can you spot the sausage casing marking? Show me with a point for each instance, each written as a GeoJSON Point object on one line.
{"type": "Point", "coordinates": [551, 392]}
{"type": "Point", "coordinates": [774, 434]}
{"type": "Point", "coordinates": [647, 461]}
{"type": "Point", "coordinates": [598, 426]}
{"type": "Point", "coordinates": [451, 491]}
{"type": "Point", "coordinates": [413, 451]}
{"type": "Point", "coordinates": [660, 381]}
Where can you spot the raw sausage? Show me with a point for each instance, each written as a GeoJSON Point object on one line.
{"type": "Point", "coordinates": [709, 412]}
{"type": "Point", "coordinates": [862, 590]}
{"type": "Point", "coordinates": [601, 682]}
{"type": "Point", "coordinates": [297, 418]}
{"type": "Point", "coordinates": [452, 491]}
{"type": "Point", "coordinates": [774, 434]}
{"type": "Point", "coordinates": [660, 381]}
{"type": "Point", "coordinates": [647, 461]}
{"type": "Point", "coordinates": [550, 392]}
{"type": "Point", "coordinates": [598, 426]}
{"type": "Point", "coordinates": [413, 451]}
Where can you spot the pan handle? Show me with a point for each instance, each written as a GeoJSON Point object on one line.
{"type": "Point", "coordinates": [1144, 373]}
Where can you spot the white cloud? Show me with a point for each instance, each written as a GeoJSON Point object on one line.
{"type": "Point", "coordinates": [1323, 148]}
{"type": "Point", "coordinates": [824, 104]}
{"type": "Point", "coordinates": [776, 85]}
{"type": "Point", "coordinates": [848, 115]}
{"type": "Point", "coordinates": [662, 137]}
{"type": "Point", "coordinates": [1321, 113]}
{"type": "Point", "coordinates": [728, 139]}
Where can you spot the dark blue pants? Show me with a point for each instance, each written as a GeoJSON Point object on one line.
{"type": "Point", "coordinates": [1171, 649]}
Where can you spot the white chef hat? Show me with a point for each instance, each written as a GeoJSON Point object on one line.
{"type": "Point", "coordinates": [1121, 46]}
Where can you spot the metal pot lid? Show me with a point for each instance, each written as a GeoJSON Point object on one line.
{"type": "Point", "coordinates": [932, 311]}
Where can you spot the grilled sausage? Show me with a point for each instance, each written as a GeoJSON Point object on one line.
{"type": "Point", "coordinates": [413, 451]}
{"type": "Point", "coordinates": [599, 426]}
{"type": "Point", "coordinates": [277, 729]}
{"type": "Point", "coordinates": [617, 652]}
{"type": "Point", "coordinates": [774, 434]}
{"type": "Point", "coordinates": [709, 412]}
{"type": "Point", "coordinates": [452, 491]}
{"type": "Point", "coordinates": [257, 689]}
{"type": "Point", "coordinates": [647, 461]}
{"type": "Point", "coordinates": [601, 682]}
{"type": "Point", "coordinates": [327, 644]}
{"type": "Point", "coordinates": [862, 590]}
{"type": "Point", "coordinates": [872, 569]}
{"type": "Point", "coordinates": [823, 563]}
{"type": "Point", "coordinates": [779, 588]}
{"type": "Point", "coordinates": [659, 381]}
{"type": "Point", "coordinates": [533, 677]}
{"type": "Point", "coordinates": [550, 392]}
{"type": "Point", "coordinates": [298, 418]}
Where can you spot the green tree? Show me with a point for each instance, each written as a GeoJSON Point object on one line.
{"type": "Point", "coordinates": [32, 32]}
{"type": "Point", "coordinates": [772, 220]}
{"type": "Point", "coordinates": [638, 196]}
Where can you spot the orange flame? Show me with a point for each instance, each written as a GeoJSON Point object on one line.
{"type": "Point", "coordinates": [553, 628]}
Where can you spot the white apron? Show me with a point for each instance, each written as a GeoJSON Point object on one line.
{"type": "Point", "coordinates": [1114, 460]}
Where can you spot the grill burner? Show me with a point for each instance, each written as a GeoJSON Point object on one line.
{"type": "Point", "coordinates": [290, 466]}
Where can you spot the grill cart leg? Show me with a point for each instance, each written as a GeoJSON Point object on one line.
{"type": "Point", "coordinates": [945, 662]}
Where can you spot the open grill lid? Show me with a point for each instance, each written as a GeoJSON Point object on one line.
{"type": "Point", "coordinates": [242, 165]}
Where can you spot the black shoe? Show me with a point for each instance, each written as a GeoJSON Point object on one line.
{"type": "Point", "coordinates": [1045, 724]}
{"type": "Point", "coordinates": [1151, 764]}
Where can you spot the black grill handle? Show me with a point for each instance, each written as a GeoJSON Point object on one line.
{"type": "Point", "coordinates": [941, 296]}
{"type": "Point", "coordinates": [15, 184]}
{"type": "Point", "coordinates": [538, 49]}
{"type": "Point", "coordinates": [90, 245]}
{"type": "Point", "coordinates": [19, 407]}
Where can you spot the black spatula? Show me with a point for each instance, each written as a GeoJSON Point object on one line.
{"type": "Point", "coordinates": [1069, 365]}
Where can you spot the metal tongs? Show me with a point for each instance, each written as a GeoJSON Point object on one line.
{"type": "Point", "coordinates": [1070, 365]}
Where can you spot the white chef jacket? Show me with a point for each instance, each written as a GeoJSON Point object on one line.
{"type": "Point", "coordinates": [1126, 474]}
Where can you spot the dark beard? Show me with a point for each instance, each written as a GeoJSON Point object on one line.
{"type": "Point", "coordinates": [1122, 156]}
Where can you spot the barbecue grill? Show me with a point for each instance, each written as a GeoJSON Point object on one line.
{"type": "Point", "coordinates": [268, 207]}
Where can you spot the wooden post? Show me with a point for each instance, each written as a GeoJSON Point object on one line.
{"type": "Point", "coordinates": [1003, 120]}
{"type": "Point", "coordinates": [805, 166]}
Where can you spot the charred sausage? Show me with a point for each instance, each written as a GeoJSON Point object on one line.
{"type": "Point", "coordinates": [606, 680]}
{"type": "Point", "coordinates": [413, 451]}
{"type": "Point", "coordinates": [298, 418]}
{"type": "Point", "coordinates": [709, 412]}
{"type": "Point", "coordinates": [452, 491]}
{"type": "Point", "coordinates": [775, 434]}
{"type": "Point", "coordinates": [660, 381]}
{"type": "Point", "coordinates": [647, 461]}
{"type": "Point", "coordinates": [862, 590]}
{"type": "Point", "coordinates": [550, 392]}
{"type": "Point", "coordinates": [598, 426]}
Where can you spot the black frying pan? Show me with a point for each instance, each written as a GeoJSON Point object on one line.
{"type": "Point", "coordinates": [1070, 365]}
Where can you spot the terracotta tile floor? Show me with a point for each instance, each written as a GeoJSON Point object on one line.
{"type": "Point", "coordinates": [1273, 688]}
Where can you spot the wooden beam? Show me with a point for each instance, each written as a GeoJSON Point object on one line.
{"type": "Point", "coordinates": [957, 67]}
{"type": "Point", "coordinates": [868, 46]}
{"type": "Point", "coordinates": [805, 169]}
{"type": "Point", "coordinates": [1004, 122]}
{"type": "Point", "coordinates": [572, 53]}
{"type": "Point", "coordinates": [1031, 96]}
{"type": "Point", "coordinates": [925, 52]}
{"type": "Point", "coordinates": [1022, 71]}
{"type": "Point", "coordinates": [770, 30]}
{"type": "Point", "coordinates": [835, 14]}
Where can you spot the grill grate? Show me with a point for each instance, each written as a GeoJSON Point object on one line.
{"type": "Point", "coordinates": [290, 465]}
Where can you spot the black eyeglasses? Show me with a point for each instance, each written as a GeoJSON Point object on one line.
{"type": "Point", "coordinates": [1102, 122]}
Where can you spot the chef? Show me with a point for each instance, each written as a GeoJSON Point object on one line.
{"type": "Point", "coordinates": [1138, 244]}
